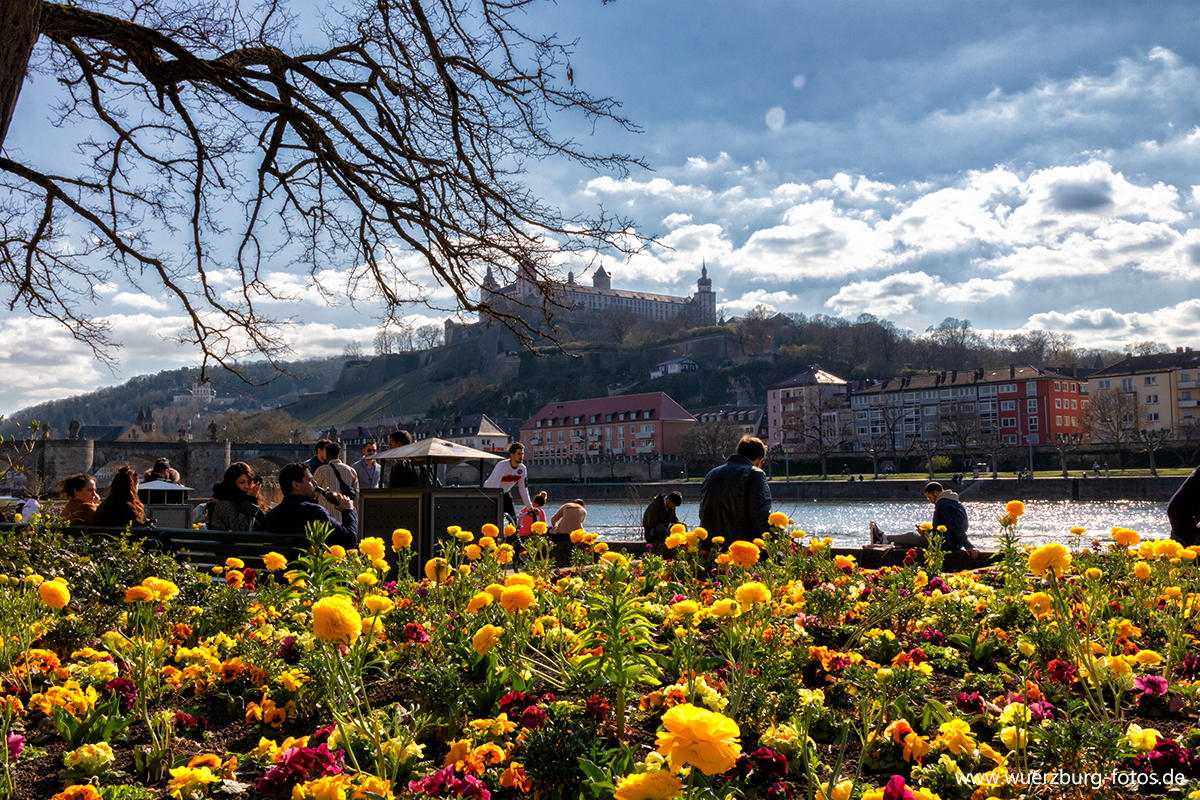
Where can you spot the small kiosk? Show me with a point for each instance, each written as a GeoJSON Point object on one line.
{"type": "Point", "coordinates": [166, 504]}
{"type": "Point", "coordinates": [427, 511]}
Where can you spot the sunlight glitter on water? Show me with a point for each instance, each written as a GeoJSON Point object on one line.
{"type": "Point", "coordinates": [847, 522]}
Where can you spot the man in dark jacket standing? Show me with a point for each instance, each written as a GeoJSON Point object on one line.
{"type": "Point", "coordinates": [1184, 510]}
{"type": "Point", "coordinates": [659, 516]}
{"type": "Point", "coordinates": [735, 500]}
{"type": "Point", "coordinates": [299, 507]}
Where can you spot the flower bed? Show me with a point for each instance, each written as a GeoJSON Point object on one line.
{"type": "Point", "coordinates": [744, 669]}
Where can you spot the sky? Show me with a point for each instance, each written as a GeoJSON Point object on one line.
{"type": "Point", "coordinates": [1023, 165]}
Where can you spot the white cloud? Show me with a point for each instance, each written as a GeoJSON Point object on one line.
{"type": "Point", "coordinates": [799, 81]}
{"type": "Point", "coordinates": [816, 239]}
{"type": "Point", "coordinates": [139, 301]}
{"type": "Point", "coordinates": [891, 296]}
{"type": "Point", "coordinates": [976, 290]}
{"type": "Point", "coordinates": [1105, 327]}
{"type": "Point", "coordinates": [675, 220]}
{"type": "Point", "coordinates": [776, 118]}
{"type": "Point", "coordinates": [775, 301]}
{"type": "Point", "coordinates": [655, 187]}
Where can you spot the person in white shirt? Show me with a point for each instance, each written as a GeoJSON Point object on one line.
{"type": "Point", "coordinates": [508, 474]}
{"type": "Point", "coordinates": [336, 477]}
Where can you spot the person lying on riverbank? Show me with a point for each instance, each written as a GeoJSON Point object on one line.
{"type": "Point", "coordinates": [948, 513]}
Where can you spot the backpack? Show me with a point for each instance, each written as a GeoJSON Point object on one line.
{"type": "Point", "coordinates": [527, 517]}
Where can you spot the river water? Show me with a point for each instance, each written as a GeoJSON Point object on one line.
{"type": "Point", "coordinates": [846, 522]}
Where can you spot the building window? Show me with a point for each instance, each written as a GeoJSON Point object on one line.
{"type": "Point", "coordinates": [1075, 404]}
{"type": "Point", "coordinates": [1058, 421]}
{"type": "Point", "coordinates": [1031, 388]}
{"type": "Point", "coordinates": [1185, 396]}
{"type": "Point", "coordinates": [1008, 405]}
{"type": "Point", "coordinates": [1057, 386]}
{"type": "Point", "coordinates": [1126, 384]}
{"type": "Point", "coordinates": [1102, 385]}
{"type": "Point", "coordinates": [1031, 406]}
{"type": "Point", "coordinates": [1185, 377]}
{"type": "Point", "coordinates": [1151, 380]}
{"type": "Point", "coordinates": [1151, 399]}
{"type": "Point", "coordinates": [1033, 423]}
{"type": "Point", "coordinates": [1152, 416]}
{"type": "Point", "coordinates": [1010, 439]}
{"type": "Point", "coordinates": [930, 410]}
{"type": "Point", "coordinates": [1007, 387]}
{"type": "Point", "coordinates": [1058, 402]}
{"type": "Point", "coordinates": [1008, 422]}
{"type": "Point", "coordinates": [537, 424]}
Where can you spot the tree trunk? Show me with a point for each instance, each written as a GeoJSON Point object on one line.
{"type": "Point", "coordinates": [1062, 454]}
{"type": "Point", "coordinates": [18, 32]}
{"type": "Point", "coordinates": [875, 463]}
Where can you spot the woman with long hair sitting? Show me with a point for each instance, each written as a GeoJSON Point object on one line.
{"type": "Point", "coordinates": [79, 490]}
{"type": "Point", "coordinates": [121, 506]}
{"type": "Point", "coordinates": [236, 505]}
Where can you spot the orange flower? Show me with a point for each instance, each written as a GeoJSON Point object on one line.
{"type": "Point", "coordinates": [699, 738]}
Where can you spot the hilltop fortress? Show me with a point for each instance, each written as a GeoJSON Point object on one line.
{"type": "Point", "coordinates": [600, 296]}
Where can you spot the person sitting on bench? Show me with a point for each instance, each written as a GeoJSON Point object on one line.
{"type": "Point", "coordinates": [948, 511]}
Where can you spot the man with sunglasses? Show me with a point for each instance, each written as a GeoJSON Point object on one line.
{"type": "Point", "coordinates": [367, 468]}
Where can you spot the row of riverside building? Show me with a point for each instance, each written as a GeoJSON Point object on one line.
{"type": "Point", "coordinates": [639, 435]}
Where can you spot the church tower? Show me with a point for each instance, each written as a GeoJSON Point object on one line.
{"type": "Point", "coordinates": [601, 279]}
{"type": "Point", "coordinates": [705, 299]}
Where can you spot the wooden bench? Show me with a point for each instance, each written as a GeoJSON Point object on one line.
{"type": "Point", "coordinates": [203, 548]}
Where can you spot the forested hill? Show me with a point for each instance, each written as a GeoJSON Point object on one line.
{"type": "Point", "coordinates": [120, 404]}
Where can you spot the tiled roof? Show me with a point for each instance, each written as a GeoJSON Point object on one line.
{"type": "Point", "coordinates": [810, 377]}
{"type": "Point", "coordinates": [1159, 362]}
{"type": "Point", "coordinates": [658, 404]}
{"type": "Point", "coordinates": [938, 380]}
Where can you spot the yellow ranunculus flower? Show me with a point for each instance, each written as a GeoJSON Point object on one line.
{"type": "Point", "coordinates": [55, 593]}
{"type": "Point", "coordinates": [684, 608]}
{"type": "Point", "coordinates": [749, 594]}
{"type": "Point", "coordinates": [1014, 508]}
{"type": "Point", "coordinates": [273, 561]}
{"type": "Point", "coordinates": [1125, 537]}
{"type": "Point", "coordinates": [538, 528]}
{"type": "Point", "coordinates": [486, 638]}
{"type": "Point", "coordinates": [600, 548]}
{"type": "Point", "coordinates": [517, 598]}
{"type": "Point", "coordinates": [367, 579]}
{"type": "Point", "coordinates": [473, 551]}
{"type": "Point", "coordinates": [437, 570]}
{"type": "Point", "coordinates": [1167, 547]}
{"type": "Point", "coordinates": [371, 547]}
{"type": "Point", "coordinates": [336, 620]}
{"type": "Point", "coordinates": [726, 608]}
{"type": "Point", "coordinates": [336, 551]}
{"type": "Point", "coordinates": [479, 602]}
{"type": "Point", "coordinates": [744, 554]}
{"type": "Point", "coordinates": [661, 785]}
{"type": "Point", "coordinates": [778, 519]}
{"type": "Point", "coordinates": [1142, 570]}
{"type": "Point", "coordinates": [1052, 556]}
{"type": "Point", "coordinates": [401, 539]}
{"type": "Point", "coordinates": [699, 738]}
{"type": "Point", "coordinates": [489, 530]}
{"type": "Point", "coordinates": [378, 604]}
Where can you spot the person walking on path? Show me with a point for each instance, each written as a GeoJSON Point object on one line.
{"type": "Point", "coordinates": [735, 500]}
{"type": "Point", "coordinates": [511, 474]}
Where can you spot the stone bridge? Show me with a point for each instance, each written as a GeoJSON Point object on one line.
{"type": "Point", "coordinates": [200, 464]}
